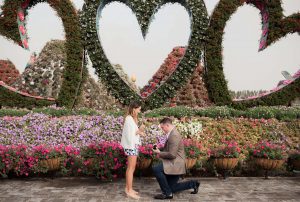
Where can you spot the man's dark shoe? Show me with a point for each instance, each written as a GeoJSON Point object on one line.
{"type": "Point", "coordinates": [196, 188]}
{"type": "Point", "coordinates": [163, 196]}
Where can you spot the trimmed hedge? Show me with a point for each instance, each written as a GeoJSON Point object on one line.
{"type": "Point", "coordinates": [280, 113]}
{"type": "Point", "coordinates": [49, 111]}
{"type": "Point", "coordinates": [13, 99]}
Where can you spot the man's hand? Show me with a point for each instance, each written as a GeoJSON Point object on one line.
{"type": "Point", "coordinates": [156, 151]}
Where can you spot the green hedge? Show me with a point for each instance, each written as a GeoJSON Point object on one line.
{"type": "Point", "coordinates": [280, 113]}
{"type": "Point", "coordinates": [49, 111]}
{"type": "Point", "coordinates": [13, 99]}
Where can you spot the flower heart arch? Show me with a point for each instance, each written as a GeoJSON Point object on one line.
{"type": "Point", "coordinates": [144, 11]}
{"type": "Point", "coordinates": [274, 27]}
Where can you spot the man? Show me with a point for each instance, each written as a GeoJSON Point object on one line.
{"type": "Point", "coordinates": [172, 167]}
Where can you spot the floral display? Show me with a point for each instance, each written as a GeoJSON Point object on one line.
{"type": "Point", "coordinates": [41, 129]}
{"type": "Point", "coordinates": [43, 152]}
{"type": "Point", "coordinates": [165, 70]}
{"type": "Point", "coordinates": [229, 149]}
{"type": "Point", "coordinates": [189, 130]}
{"type": "Point", "coordinates": [37, 129]}
{"type": "Point", "coordinates": [192, 149]}
{"type": "Point", "coordinates": [107, 159]}
{"type": "Point", "coordinates": [8, 72]}
{"type": "Point", "coordinates": [74, 136]}
{"type": "Point", "coordinates": [146, 152]}
{"type": "Point", "coordinates": [268, 150]}
{"type": "Point", "coordinates": [194, 93]}
{"type": "Point", "coordinates": [90, 144]}
{"type": "Point", "coordinates": [14, 158]}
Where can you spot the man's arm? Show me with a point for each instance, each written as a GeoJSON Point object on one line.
{"type": "Point", "coordinates": [173, 142]}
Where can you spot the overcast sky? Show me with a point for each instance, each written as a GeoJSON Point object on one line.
{"type": "Point", "coordinates": [244, 67]}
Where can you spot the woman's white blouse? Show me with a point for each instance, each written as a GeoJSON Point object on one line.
{"type": "Point", "coordinates": [129, 137]}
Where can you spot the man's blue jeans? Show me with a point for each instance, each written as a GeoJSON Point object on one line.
{"type": "Point", "coordinates": [169, 183]}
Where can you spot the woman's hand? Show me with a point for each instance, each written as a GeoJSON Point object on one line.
{"type": "Point", "coordinates": [141, 133]}
{"type": "Point", "coordinates": [141, 130]}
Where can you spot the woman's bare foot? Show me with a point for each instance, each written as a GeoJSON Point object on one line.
{"type": "Point", "coordinates": [132, 195]}
{"type": "Point", "coordinates": [133, 191]}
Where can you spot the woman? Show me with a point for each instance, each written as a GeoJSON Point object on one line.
{"type": "Point", "coordinates": [130, 142]}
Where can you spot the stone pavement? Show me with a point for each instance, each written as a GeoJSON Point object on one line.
{"type": "Point", "coordinates": [90, 189]}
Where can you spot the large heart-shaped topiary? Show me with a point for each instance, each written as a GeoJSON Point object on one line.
{"type": "Point", "coordinates": [144, 11]}
{"type": "Point", "coordinates": [274, 27]}
{"type": "Point", "coordinates": [73, 72]}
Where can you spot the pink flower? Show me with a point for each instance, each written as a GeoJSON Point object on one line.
{"type": "Point", "coordinates": [22, 29]}
{"type": "Point", "coordinates": [25, 43]}
{"type": "Point", "coordinates": [21, 16]}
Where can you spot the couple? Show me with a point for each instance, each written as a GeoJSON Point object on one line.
{"type": "Point", "coordinates": [172, 156]}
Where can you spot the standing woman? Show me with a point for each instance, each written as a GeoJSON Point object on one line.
{"type": "Point", "coordinates": [130, 142]}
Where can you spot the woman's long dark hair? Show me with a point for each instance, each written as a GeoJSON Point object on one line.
{"type": "Point", "coordinates": [130, 111]}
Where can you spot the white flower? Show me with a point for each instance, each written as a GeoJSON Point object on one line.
{"type": "Point", "coordinates": [190, 129]}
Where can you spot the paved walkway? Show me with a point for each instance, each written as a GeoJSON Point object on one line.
{"type": "Point", "coordinates": [90, 189]}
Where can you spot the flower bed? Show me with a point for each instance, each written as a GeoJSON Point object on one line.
{"type": "Point", "coordinates": [229, 149]}
{"type": "Point", "coordinates": [34, 130]}
{"type": "Point", "coordinates": [268, 150]}
{"type": "Point", "coordinates": [78, 131]}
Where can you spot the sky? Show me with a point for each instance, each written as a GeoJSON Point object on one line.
{"type": "Point", "coordinates": [245, 68]}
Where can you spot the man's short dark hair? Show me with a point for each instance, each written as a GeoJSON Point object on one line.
{"type": "Point", "coordinates": [166, 120]}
